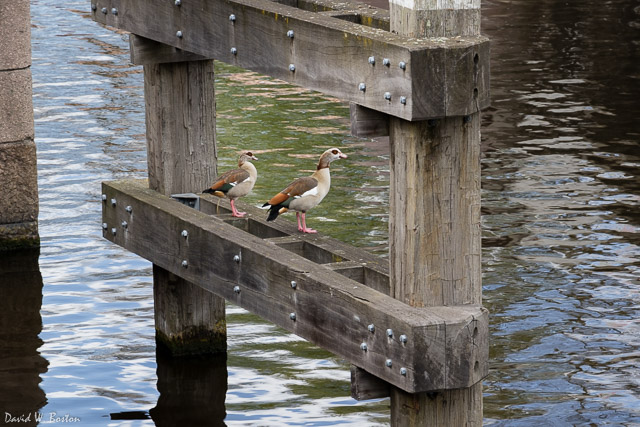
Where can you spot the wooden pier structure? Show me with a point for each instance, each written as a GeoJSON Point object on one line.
{"type": "Point", "coordinates": [413, 328]}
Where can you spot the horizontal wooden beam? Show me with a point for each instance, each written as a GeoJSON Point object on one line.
{"type": "Point", "coordinates": [429, 348]}
{"type": "Point", "coordinates": [144, 51]}
{"type": "Point", "coordinates": [365, 386]}
{"type": "Point", "coordinates": [420, 78]}
{"type": "Point", "coordinates": [366, 122]}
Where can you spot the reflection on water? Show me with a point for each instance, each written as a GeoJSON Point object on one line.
{"type": "Point", "coordinates": [561, 228]}
{"type": "Point", "coordinates": [561, 212]}
{"type": "Point", "coordinates": [20, 323]}
{"type": "Point", "coordinates": [192, 391]}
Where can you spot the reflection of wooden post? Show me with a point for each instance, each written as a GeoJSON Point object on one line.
{"type": "Point", "coordinates": [192, 391]}
{"type": "Point", "coordinates": [434, 229]}
{"type": "Point", "coordinates": [181, 151]}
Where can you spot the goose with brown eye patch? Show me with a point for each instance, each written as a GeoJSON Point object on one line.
{"type": "Point", "coordinates": [236, 183]}
{"type": "Point", "coordinates": [305, 193]}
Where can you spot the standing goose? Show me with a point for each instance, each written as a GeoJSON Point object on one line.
{"type": "Point", "coordinates": [236, 183]}
{"type": "Point", "coordinates": [305, 193]}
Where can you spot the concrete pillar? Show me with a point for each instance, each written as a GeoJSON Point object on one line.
{"type": "Point", "coordinates": [18, 173]}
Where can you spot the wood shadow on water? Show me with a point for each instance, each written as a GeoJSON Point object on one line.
{"type": "Point", "coordinates": [192, 390]}
{"type": "Point", "coordinates": [21, 364]}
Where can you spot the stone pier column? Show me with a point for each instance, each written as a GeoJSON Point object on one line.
{"type": "Point", "coordinates": [18, 174]}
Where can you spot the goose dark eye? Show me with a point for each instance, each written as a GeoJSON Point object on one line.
{"type": "Point", "coordinates": [249, 153]}
{"type": "Point", "coordinates": [334, 151]}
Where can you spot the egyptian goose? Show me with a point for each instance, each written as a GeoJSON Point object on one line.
{"type": "Point", "coordinates": [305, 193]}
{"type": "Point", "coordinates": [236, 183]}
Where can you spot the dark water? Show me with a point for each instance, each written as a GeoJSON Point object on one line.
{"type": "Point", "coordinates": [561, 218]}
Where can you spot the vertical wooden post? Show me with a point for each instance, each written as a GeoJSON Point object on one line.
{"type": "Point", "coordinates": [434, 229]}
{"type": "Point", "coordinates": [181, 150]}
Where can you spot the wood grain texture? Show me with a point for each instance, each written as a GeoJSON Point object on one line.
{"type": "Point", "coordinates": [181, 126]}
{"type": "Point", "coordinates": [331, 310]}
{"type": "Point", "coordinates": [365, 386]}
{"type": "Point", "coordinates": [436, 22]}
{"type": "Point", "coordinates": [434, 242]}
{"type": "Point", "coordinates": [368, 123]}
{"type": "Point", "coordinates": [181, 157]}
{"type": "Point", "coordinates": [329, 54]}
{"type": "Point", "coordinates": [144, 51]}
{"type": "Point", "coordinates": [434, 221]}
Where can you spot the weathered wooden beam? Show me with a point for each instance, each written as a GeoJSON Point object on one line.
{"type": "Point", "coordinates": [366, 122]}
{"type": "Point", "coordinates": [315, 247]}
{"type": "Point", "coordinates": [144, 52]}
{"type": "Point", "coordinates": [430, 349]}
{"type": "Point", "coordinates": [365, 386]}
{"type": "Point", "coordinates": [365, 14]}
{"type": "Point", "coordinates": [437, 78]}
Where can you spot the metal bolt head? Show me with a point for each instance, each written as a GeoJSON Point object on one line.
{"type": "Point", "coordinates": [389, 332]}
{"type": "Point", "coordinates": [403, 65]}
{"type": "Point", "coordinates": [124, 224]}
{"type": "Point", "coordinates": [292, 67]}
{"type": "Point", "coordinates": [236, 289]}
{"type": "Point", "coordinates": [93, 6]}
{"type": "Point", "coordinates": [104, 10]}
{"type": "Point", "coordinates": [184, 234]}
{"type": "Point", "coordinates": [292, 316]}
{"type": "Point", "coordinates": [372, 328]}
{"type": "Point", "coordinates": [104, 197]}
{"type": "Point", "coordinates": [362, 87]}
{"type": "Point", "coordinates": [113, 202]}
{"type": "Point", "coordinates": [185, 263]}
{"type": "Point", "coordinates": [386, 61]}
{"type": "Point", "coordinates": [387, 96]}
{"type": "Point", "coordinates": [234, 51]}
{"type": "Point", "coordinates": [128, 209]}
{"type": "Point", "coordinates": [236, 258]}
{"type": "Point", "coordinates": [403, 372]}
{"type": "Point", "coordinates": [178, 2]}
{"type": "Point", "coordinates": [114, 11]}
{"type": "Point", "coordinates": [372, 60]}
{"type": "Point", "coordinates": [294, 284]}
{"type": "Point", "coordinates": [232, 18]}
{"type": "Point", "coordinates": [363, 346]}
{"type": "Point", "coordinates": [403, 100]}
{"type": "Point", "coordinates": [290, 34]}
{"type": "Point", "coordinates": [403, 339]}
{"type": "Point", "coordinates": [179, 34]}
{"type": "Point", "coordinates": [388, 363]}
{"type": "Point", "coordinates": [114, 231]}
{"type": "Point", "coordinates": [105, 226]}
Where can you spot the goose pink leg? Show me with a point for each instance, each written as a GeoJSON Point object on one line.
{"type": "Point", "coordinates": [304, 226]}
{"type": "Point", "coordinates": [298, 218]}
{"type": "Point", "coordinates": [234, 211]}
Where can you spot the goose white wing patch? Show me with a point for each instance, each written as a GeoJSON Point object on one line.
{"type": "Point", "coordinates": [234, 183]}
{"type": "Point", "coordinates": [312, 192]}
